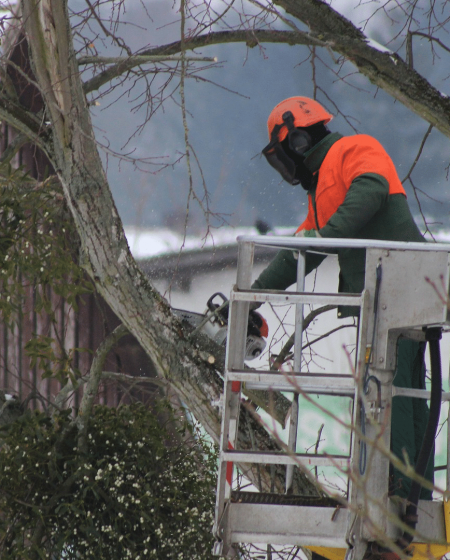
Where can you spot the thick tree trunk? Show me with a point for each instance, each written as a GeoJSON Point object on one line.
{"type": "Point", "coordinates": [105, 251]}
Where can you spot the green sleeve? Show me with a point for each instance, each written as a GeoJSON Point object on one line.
{"type": "Point", "coordinates": [282, 271]}
{"type": "Point", "coordinates": [367, 194]}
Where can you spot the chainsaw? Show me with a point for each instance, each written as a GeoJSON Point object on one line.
{"type": "Point", "coordinates": [214, 324]}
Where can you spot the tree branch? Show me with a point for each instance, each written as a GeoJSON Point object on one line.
{"type": "Point", "coordinates": [422, 145]}
{"type": "Point", "coordinates": [251, 38]}
{"type": "Point", "coordinates": [24, 122]}
{"type": "Point", "coordinates": [306, 322]}
{"type": "Point", "coordinates": [105, 252]}
{"type": "Point", "coordinates": [430, 38]}
{"type": "Point", "coordinates": [275, 403]}
{"type": "Point", "coordinates": [13, 147]}
{"type": "Point", "coordinates": [66, 391]}
{"type": "Point", "coordinates": [141, 59]}
{"type": "Point", "coordinates": [384, 69]}
{"type": "Point", "coordinates": [132, 380]}
{"type": "Point", "coordinates": [95, 375]}
{"type": "Point", "coordinates": [329, 29]}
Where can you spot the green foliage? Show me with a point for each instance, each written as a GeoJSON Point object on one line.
{"type": "Point", "coordinates": [37, 241]}
{"type": "Point", "coordinates": [38, 263]}
{"type": "Point", "coordinates": [46, 354]}
{"type": "Point", "coordinates": [136, 493]}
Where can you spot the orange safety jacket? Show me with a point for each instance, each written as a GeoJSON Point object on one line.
{"type": "Point", "coordinates": [356, 193]}
{"type": "Point", "coordinates": [348, 158]}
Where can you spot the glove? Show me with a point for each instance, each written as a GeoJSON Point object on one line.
{"type": "Point", "coordinates": [257, 325]}
{"type": "Point", "coordinates": [311, 233]}
{"type": "Point", "coordinates": [307, 233]}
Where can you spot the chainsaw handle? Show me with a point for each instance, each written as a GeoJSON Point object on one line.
{"type": "Point", "coordinates": [213, 306]}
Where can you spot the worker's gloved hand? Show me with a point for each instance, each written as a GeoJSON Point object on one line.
{"type": "Point", "coordinates": [307, 233]}
{"type": "Point", "coordinates": [257, 325]}
{"type": "Point", "coordinates": [311, 233]}
{"type": "Point", "coordinates": [255, 305]}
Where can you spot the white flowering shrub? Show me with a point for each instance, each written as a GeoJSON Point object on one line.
{"type": "Point", "coordinates": [136, 493]}
{"type": "Point", "coordinates": [39, 251]}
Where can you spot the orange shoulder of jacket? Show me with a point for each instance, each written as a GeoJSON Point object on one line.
{"type": "Point", "coordinates": [360, 154]}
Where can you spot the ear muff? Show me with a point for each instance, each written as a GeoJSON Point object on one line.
{"type": "Point", "coordinates": [299, 139]}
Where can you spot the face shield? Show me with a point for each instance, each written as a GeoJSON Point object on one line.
{"type": "Point", "coordinates": [281, 162]}
{"type": "Point", "coordinates": [299, 142]}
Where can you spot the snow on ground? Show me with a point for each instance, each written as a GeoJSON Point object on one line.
{"type": "Point", "coordinates": [441, 236]}
{"type": "Point", "coordinates": [145, 243]}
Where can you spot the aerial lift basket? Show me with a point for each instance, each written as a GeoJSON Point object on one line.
{"type": "Point", "coordinates": [410, 296]}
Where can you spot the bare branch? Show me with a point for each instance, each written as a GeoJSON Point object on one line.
{"type": "Point", "coordinates": [95, 375]}
{"type": "Point", "coordinates": [431, 38]}
{"type": "Point", "coordinates": [422, 145]}
{"type": "Point", "coordinates": [252, 39]}
{"type": "Point", "coordinates": [141, 59]}
{"type": "Point", "coordinates": [276, 404]}
{"type": "Point", "coordinates": [13, 147]}
{"type": "Point", "coordinates": [105, 30]}
{"type": "Point", "coordinates": [24, 122]}
{"type": "Point", "coordinates": [306, 322]}
{"type": "Point", "coordinates": [382, 67]}
{"type": "Point", "coordinates": [132, 380]}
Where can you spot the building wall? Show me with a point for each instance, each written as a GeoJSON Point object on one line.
{"type": "Point", "coordinates": [84, 327]}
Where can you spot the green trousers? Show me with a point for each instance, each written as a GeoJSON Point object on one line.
{"type": "Point", "coordinates": [409, 416]}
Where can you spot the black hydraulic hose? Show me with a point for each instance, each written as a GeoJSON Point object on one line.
{"type": "Point", "coordinates": [433, 336]}
{"type": "Point", "coordinates": [367, 377]}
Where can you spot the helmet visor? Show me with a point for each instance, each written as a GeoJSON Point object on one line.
{"type": "Point", "coordinates": [280, 161]}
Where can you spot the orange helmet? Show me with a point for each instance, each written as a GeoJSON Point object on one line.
{"type": "Point", "coordinates": [306, 112]}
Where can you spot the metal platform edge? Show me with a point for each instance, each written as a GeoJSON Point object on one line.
{"type": "Point", "coordinates": [317, 526]}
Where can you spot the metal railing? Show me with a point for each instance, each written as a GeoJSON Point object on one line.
{"type": "Point", "coordinates": [393, 320]}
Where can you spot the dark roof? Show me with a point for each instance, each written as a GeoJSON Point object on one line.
{"type": "Point", "coordinates": [182, 267]}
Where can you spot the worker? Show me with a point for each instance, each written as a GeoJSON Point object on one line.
{"type": "Point", "coordinates": [353, 192]}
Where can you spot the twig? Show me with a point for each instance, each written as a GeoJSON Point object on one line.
{"type": "Point", "coordinates": [321, 337]}
{"type": "Point", "coordinates": [106, 31]}
{"type": "Point", "coordinates": [431, 38]}
{"type": "Point", "coordinates": [316, 447]}
{"type": "Point", "coordinates": [306, 322]}
{"type": "Point", "coordinates": [419, 153]}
